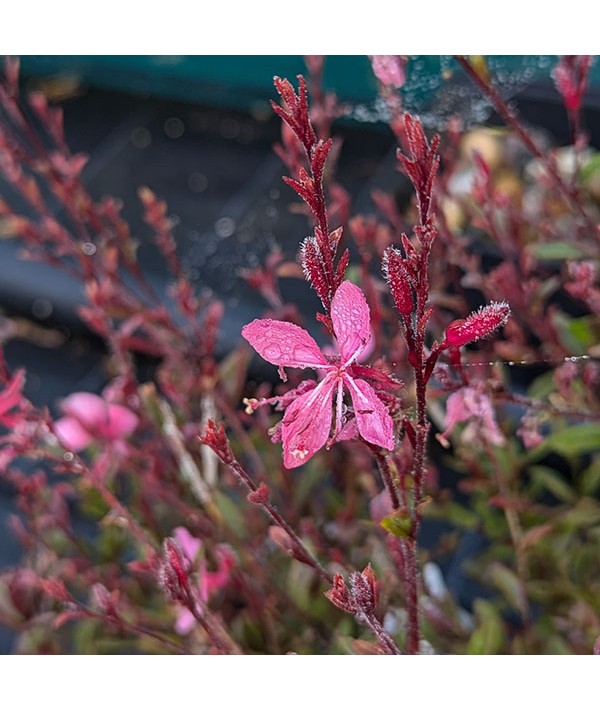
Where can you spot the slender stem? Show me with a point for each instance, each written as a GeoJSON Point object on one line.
{"type": "Point", "coordinates": [215, 631]}
{"type": "Point", "coordinates": [386, 642]}
{"type": "Point", "coordinates": [516, 535]}
{"type": "Point", "coordinates": [411, 576]}
{"type": "Point", "coordinates": [386, 475]}
{"type": "Point", "coordinates": [278, 520]}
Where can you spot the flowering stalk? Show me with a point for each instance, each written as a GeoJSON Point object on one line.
{"type": "Point", "coordinates": [318, 250]}
{"type": "Point", "coordinates": [406, 271]}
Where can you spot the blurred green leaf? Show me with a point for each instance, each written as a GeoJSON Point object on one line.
{"type": "Point", "coordinates": [547, 478]}
{"type": "Point", "coordinates": [574, 440]}
{"type": "Point", "coordinates": [590, 478]}
{"type": "Point", "coordinates": [585, 513]}
{"type": "Point", "coordinates": [93, 505]}
{"type": "Point", "coordinates": [552, 251]}
{"type": "Point", "coordinates": [489, 637]}
{"type": "Point", "coordinates": [232, 516]}
{"type": "Point", "coordinates": [508, 583]}
{"type": "Point", "coordinates": [577, 334]}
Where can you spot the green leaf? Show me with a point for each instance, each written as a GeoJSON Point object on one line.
{"type": "Point", "coordinates": [556, 251]}
{"type": "Point", "coordinates": [508, 583]}
{"type": "Point", "coordinates": [586, 513]}
{"type": "Point", "coordinates": [590, 478]}
{"type": "Point", "coordinates": [575, 440]}
{"type": "Point", "coordinates": [577, 334]}
{"type": "Point", "coordinates": [398, 524]}
{"type": "Point", "coordinates": [489, 636]}
{"type": "Point", "coordinates": [548, 479]}
{"type": "Point", "coordinates": [232, 515]}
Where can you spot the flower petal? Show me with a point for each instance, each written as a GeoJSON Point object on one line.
{"type": "Point", "coordinates": [90, 409]}
{"type": "Point", "coordinates": [120, 423]}
{"type": "Point", "coordinates": [351, 320]}
{"type": "Point", "coordinates": [190, 546]}
{"type": "Point", "coordinates": [185, 621]}
{"type": "Point", "coordinates": [284, 344]}
{"type": "Point", "coordinates": [306, 424]}
{"type": "Point", "coordinates": [372, 418]}
{"type": "Point", "coordinates": [71, 433]}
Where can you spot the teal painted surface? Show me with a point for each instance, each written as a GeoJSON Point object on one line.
{"type": "Point", "coordinates": [229, 80]}
{"type": "Point", "coordinates": [238, 81]}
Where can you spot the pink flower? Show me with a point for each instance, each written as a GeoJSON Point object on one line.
{"type": "Point", "coordinates": [389, 69]}
{"type": "Point", "coordinates": [306, 425]}
{"type": "Point", "coordinates": [470, 405]}
{"type": "Point", "coordinates": [89, 418]}
{"type": "Point", "coordinates": [209, 581]}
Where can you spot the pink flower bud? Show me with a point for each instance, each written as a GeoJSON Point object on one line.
{"type": "Point", "coordinates": [478, 325]}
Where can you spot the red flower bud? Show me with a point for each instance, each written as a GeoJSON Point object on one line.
{"type": "Point", "coordinates": [215, 438]}
{"type": "Point", "coordinates": [173, 572]}
{"type": "Point", "coordinates": [478, 325]}
{"type": "Point", "coordinates": [339, 595]}
{"type": "Point", "coordinates": [396, 272]}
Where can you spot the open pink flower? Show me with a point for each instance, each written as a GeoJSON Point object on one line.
{"type": "Point", "coordinates": [306, 425]}
{"type": "Point", "coordinates": [469, 404]}
{"type": "Point", "coordinates": [89, 418]}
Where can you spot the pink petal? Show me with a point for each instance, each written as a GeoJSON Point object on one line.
{"type": "Point", "coordinates": [121, 422]}
{"type": "Point", "coordinates": [349, 431]}
{"type": "Point", "coordinates": [185, 622]}
{"type": "Point", "coordinates": [99, 417]}
{"type": "Point", "coordinates": [90, 409]}
{"type": "Point", "coordinates": [71, 434]}
{"type": "Point", "coordinates": [372, 418]}
{"type": "Point", "coordinates": [189, 545]}
{"type": "Point", "coordinates": [306, 424]}
{"type": "Point", "coordinates": [351, 320]}
{"type": "Point", "coordinates": [284, 344]}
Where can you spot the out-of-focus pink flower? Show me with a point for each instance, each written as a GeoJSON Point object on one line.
{"type": "Point", "coordinates": [471, 405]}
{"type": "Point", "coordinates": [529, 431]}
{"type": "Point", "coordinates": [306, 425]}
{"type": "Point", "coordinates": [389, 69]}
{"type": "Point", "coordinates": [89, 418]}
{"type": "Point", "coordinates": [209, 581]}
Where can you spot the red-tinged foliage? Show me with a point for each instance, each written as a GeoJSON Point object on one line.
{"type": "Point", "coordinates": [420, 161]}
{"type": "Point", "coordinates": [340, 596]}
{"type": "Point", "coordinates": [570, 76]}
{"type": "Point", "coordinates": [180, 553]}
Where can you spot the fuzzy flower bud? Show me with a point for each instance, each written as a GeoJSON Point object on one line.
{"type": "Point", "coordinates": [397, 275]}
{"type": "Point", "coordinates": [340, 596]}
{"type": "Point", "coordinates": [216, 438]}
{"type": "Point", "coordinates": [173, 572]}
{"type": "Point", "coordinates": [478, 325]}
{"type": "Point", "coordinates": [364, 589]}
